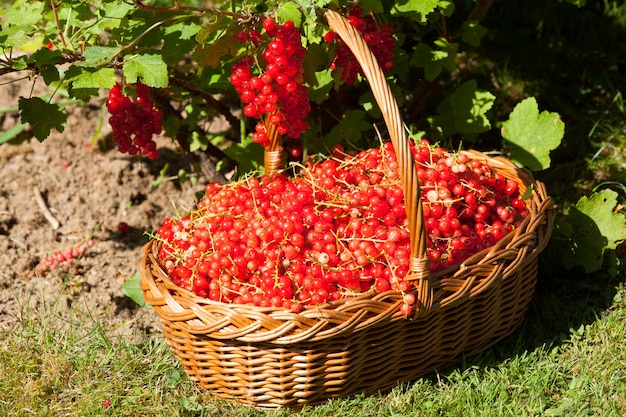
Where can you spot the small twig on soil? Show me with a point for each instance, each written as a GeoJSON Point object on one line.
{"type": "Point", "coordinates": [44, 209]}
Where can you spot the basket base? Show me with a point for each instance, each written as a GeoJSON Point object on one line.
{"type": "Point", "coordinates": [268, 376]}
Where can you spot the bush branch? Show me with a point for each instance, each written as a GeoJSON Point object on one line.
{"type": "Point", "coordinates": [480, 10]}
{"type": "Point", "coordinates": [211, 101]}
{"type": "Point", "coordinates": [7, 67]}
{"type": "Point", "coordinates": [178, 8]}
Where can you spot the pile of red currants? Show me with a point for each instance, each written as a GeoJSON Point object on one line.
{"type": "Point", "coordinates": [337, 229]}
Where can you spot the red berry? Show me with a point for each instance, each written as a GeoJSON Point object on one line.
{"type": "Point", "coordinates": [330, 37]}
{"type": "Point", "coordinates": [123, 227]}
{"type": "Point", "coordinates": [269, 25]}
{"type": "Point", "coordinates": [241, 37]}
{"type": "Point", "coordinates": [255, 36]}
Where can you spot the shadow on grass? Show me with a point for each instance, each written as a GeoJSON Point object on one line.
{"type": "Point", "coordinates": [563, 303]}
{"type": "Point", "coordinates": [576, 73]}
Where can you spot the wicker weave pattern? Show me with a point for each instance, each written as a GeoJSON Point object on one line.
{"type": "Point", "coordinates": [390, 350]}
{"type": "Point", "coordinates": [274, 358]}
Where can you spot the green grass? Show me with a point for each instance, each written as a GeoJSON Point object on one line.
{"type": "Point", "coordinates": [568, 363]}
{"type": "Point", "coordinates": [70, 365]}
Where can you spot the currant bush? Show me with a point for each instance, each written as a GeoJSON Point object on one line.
{"type": "Point", "coordinates": [336, 230]}
{"type": "Point", "coordinates": [134, 122]}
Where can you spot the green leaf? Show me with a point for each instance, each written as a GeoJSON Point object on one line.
{"type": "Point", "coordinates": [42, 116]}
{"type": "Point", "coordinates": [434, 60]}
{"type": "Point", "coordinates": [133, 291]}
{"type": "Point", "coordinates": [289, 11]}
{"type": "Point", "coordinates": [177, 41]}
{"type": "Point", "coordinates": [99, 55]}
{"type": "Point", "coordinates": [324, 82]}
{"type": "Point", "coordinates": [600, 207]}
{"type": "Point", "coordinates": [420, 7]}
{"type": "Point", "coordinates": [596, 227]}
{"type": "Point", "coordinates": [470, 106]}
{"type": "Point", "coordinates": [184, 30]}
{"type": "Point", "coordinates": [446, 53]}
{"type": "Point", "coordinates": [528, 193]}
{"type": "Point", "coordinates": [19, 63]}
{"type": "Point", "coordinates": [24, 13]}
{"type": "Point", "coordinates": [50, 74]}
{"type": "Point", "coordinates": [465, 112]}
{"type": "Point", "coordinates": [446, 7]}
{"type": "Point", "coordinates": [197, 142]}
{"type": "Point", "coordinates": [94, 78]}
{"type": "Point", "coordinates": [19, 23]}
{"type": "Point", "coordinates": [45, 61]}
{"type": "Point", "coordinates": [161, 178]}
{"type": "Point", "coordinates": [247, 154]}
{"type": "Point", "coordinates": [116, 10]}
{"type": "Point", "coordinates": [85, 82]}
{"type": "Point", "coordinates": [472, 32]}
{"type": "Point", "coordinates": [12, 36]}
{"type": "Point", "coordinates": [93, 21]}
{"type": "Point", "coordinates": [350, 128]}
{"type": "Point", "coordinates": [82, 94]}
{"type": "Point", "coordinates": [316, 59]}
{"type": "Point", "coordinates": [44, 56]}
{"type": "Point", "coordinates": [149, 67]}
{"type": "Point", "coordinates": [422, 57]}
{"type": "Point", "coordinates": [532, 135]}
{"type": "Point", "coordinates": [374, 6]}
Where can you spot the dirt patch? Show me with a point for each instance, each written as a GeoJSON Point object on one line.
{"type": "Point", "coordinates": [89, 188]}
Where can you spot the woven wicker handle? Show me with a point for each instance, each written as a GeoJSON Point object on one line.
{"type": "Point", "coordinates": [419, 268]}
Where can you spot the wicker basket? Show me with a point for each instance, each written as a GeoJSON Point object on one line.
{"type": "Point", "coordinates": [272, 358]}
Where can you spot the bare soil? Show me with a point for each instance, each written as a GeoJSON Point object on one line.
{"type": "Point", "coordinates": [89, 188]}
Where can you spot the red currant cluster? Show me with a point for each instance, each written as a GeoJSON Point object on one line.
{"type": "Point", "coordinates": [379, 37]}
{"type": "Point", "coordinates": [65, 259]}
{"type": "Point", "coordinates": [338, 230]}
{"type": "Point", "coordinates": [134, 121]}
{"type": "Point", "coordinates": [275, 93]}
